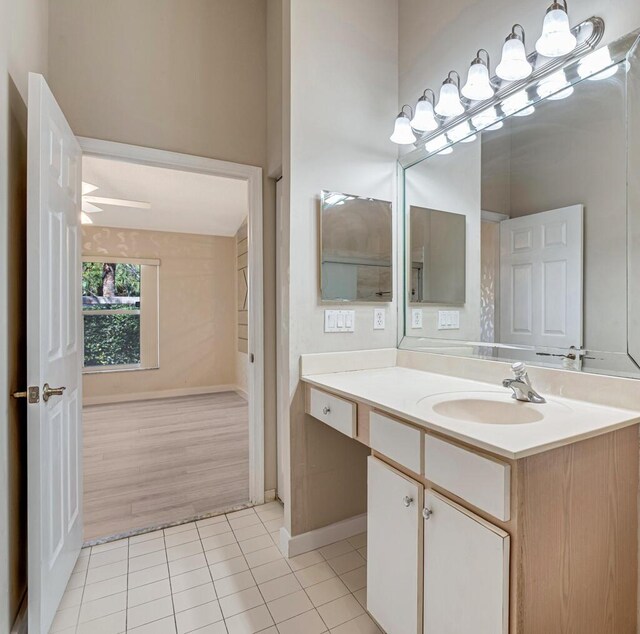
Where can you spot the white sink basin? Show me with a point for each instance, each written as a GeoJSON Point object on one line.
{"type": "Point", "coordinates": [487, 408]}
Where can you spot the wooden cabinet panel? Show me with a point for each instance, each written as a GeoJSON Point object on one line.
{"type": "Point", "coordinates": [466, 571]}
{"type": "Point", "coordinates": [394, 549]}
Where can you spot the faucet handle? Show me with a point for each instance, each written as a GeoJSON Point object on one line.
{"type": "Point", "coordinates": [519, 368]}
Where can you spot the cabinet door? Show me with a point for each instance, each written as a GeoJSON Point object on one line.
{"type": "Point", "coordinates": [394, 549]}
{"type": "Point", "coordinates": [466, 571]}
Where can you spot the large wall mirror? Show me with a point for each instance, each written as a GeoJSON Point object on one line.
{"type": "Point", "coordinates": [356, 246]}
{"type": "Point", "coordinates": [550, 198]}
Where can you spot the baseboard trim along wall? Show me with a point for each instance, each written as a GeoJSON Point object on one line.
{"type": "Point", "coordinates": [147, 396]}
{"type": "Point", "coordinates": [303, 543]}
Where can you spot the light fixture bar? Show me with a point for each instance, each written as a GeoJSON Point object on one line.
{"type": "Point", "coordinates": [588, 33]}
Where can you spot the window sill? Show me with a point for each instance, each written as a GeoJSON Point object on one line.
{"type": "Point", "coordinates": [110, 369]}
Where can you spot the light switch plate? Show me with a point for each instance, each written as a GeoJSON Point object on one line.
{"type": "Point", "coordinates": [339, 320]}
{"type": "Point", "coordinates": [416, 317]}
{"type": "Point", "coordinates": [378, 319]}
{"type": "Point", "coordinates": [448, 320]}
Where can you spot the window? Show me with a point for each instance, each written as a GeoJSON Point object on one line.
{"type": "Point", "coordinates": [120, 314]}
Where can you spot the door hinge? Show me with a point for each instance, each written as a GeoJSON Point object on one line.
{"type": "Point", "coordinates": [32, 394]}
{"type": "Point", "coordinates": [251, 357]}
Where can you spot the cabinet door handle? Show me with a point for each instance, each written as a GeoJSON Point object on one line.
{"type": "Point", "coordinates": [427, 513]}
{"type": "Point", "coordinates": [326, 410]}
{"type": "Point", "coordinates": [407, 501]}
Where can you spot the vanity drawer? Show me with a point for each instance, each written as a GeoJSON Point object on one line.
{"type": "Point", "coordinates": [333, 411]}
{"type": "Point", "coordinates": [481, 481]}
{"type": "Point", "coordinates": [396, 440]}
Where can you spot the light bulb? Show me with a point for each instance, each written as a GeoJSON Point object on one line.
{"type": "Point", "coordinates": [460, 132]}
{"type": "Point", "coordinates": [514, 64]}
{"type": "Point", "coordinates": [554, 87]}
{"type": "Point", "coordinates": [556, 39]}
{"type": "Point", "coordinates": [495, 126]}
{"type": "Point", "coordinates": [424, 118]}
{"type": "Point", "coordinates": [518, 105]}
{"type": "Point", "coordinates": [485, 118]}
{"type": "Point", "coordinates": [449, 104]}
{"type": "Point", "coordinates": [435, 145]}
{"type": "Point", "coordinates": [597, 66]}
{"type": "Point", "coordinates": [402, 132]}
{"type": "Point", "coordinates": [478, 86]}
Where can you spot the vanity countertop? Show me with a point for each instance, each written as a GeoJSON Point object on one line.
{"type": "Point", "coordinates": [407, 394]}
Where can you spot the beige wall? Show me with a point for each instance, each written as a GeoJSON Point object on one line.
{"type": "Point", "coordinates": [196, 310]}
{"type": "Point", "coordinates": [23, 48]}
{"type": "Point", "coordinates": [342, 80]}
{"type": "Point", "coordinates": [242, 307]}
{"type": "Point", "coordinates": [182, 75]}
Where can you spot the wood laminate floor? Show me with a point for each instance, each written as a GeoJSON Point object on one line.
{"type": "Point", "coordinates": [154, 462]}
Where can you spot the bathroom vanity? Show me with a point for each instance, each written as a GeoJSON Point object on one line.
{"type": "Point", "coordinates": [486, 515]}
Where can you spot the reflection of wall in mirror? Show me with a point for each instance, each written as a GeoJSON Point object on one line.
{"type": "Point", "coordinates": [451, 183]}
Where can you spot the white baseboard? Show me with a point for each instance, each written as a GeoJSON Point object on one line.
{"type": "Point", "coordinates": [292, 546]}
{"type": "Point", "coordinates": [147, 396]}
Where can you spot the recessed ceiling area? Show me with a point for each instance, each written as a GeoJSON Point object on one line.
{"type": "Point", "coordinates": [179, 201]}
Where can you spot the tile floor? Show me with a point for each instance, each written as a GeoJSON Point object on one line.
{"type": "Point", "coordinates": [222, 575]}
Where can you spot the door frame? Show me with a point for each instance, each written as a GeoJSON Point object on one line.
{"type": "Point", "coordinates": [252, 175]}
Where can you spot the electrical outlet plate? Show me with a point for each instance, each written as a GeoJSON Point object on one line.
{"type": "Point", "coordinates": [339, 320]}
{"type": "Point", "coordinates": [416, 317]}
{"type": "Point", "coordinates": [378, 318]}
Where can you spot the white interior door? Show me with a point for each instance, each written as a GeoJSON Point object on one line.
{"type": "Point", "coordinates": [466, 571]}
{"type": "Point", "coordinates": [394, 553]}
{"type": "Point", "coordinates": [54, 348]}
{"type": "Point", "coordinates": [541, 279]}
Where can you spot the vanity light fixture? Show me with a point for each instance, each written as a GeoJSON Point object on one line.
{"type": "Point", "coordinates": [514, 64]}
{"type": "Point", "coordinates": [478, 86]}
{"type": "Point", "coordinates": [402, 132]}
{"type": "Point", "coordinates": [597, 66]}
{"type": "Point", "coordinates": [495, 126]}
{"type": "Point", "coordinates": [424, 119]}
{"type": "Point", "coordinates": [552, 87]}
{"type": "Point", "coordinates": [556, 39]}
{"type": "Point", "coordinates": [449, 104]}
{"type": "Point", "coordinates": [485, 119]}
{"type": "Point", "coordinates": [462, 132]}
{"type": "Point", "coordinates": [518, 105]}
{"type": "Point", "coordinates": [436, 145]}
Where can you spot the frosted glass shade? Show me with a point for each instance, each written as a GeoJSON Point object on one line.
{"type": "Point", "coordinates": [424, 118]}
{"type": "Point", "coordinates": [556, 39]}
{"type": "Point", "coordinates": [478, 86]}
{"type": "Point", "coordinates": [514, 64]}
{"type": "Point", "coordinates": [598, 65]}
{"type": "Point", "coordinates": [449, 103]}
{"type": "Point", "coordinates": [436, 144]}
{"type": "Point", "coordinates": [402, 132]}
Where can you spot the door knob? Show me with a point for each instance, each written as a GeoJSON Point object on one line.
{"type": "Point", "coordinates": [407, 501]}
{"type": "Point", "coordinates": [427, 513]}
{"type": "Point", "coordinates": [48, 392]}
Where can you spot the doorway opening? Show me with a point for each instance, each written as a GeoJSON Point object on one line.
{"type": "Point", "coordinates": [172, 316]}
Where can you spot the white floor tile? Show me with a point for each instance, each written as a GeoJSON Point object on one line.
{"type": "Point", "coordinates": [180, 528]}
{"type": "Point", "coordinates": [240, 602]}
{"type": "Point", "coordinates": [193, 597]}
{"type": "Point", "coordinates": [103, 607]}
{"type": "Point", "coordinates": [163, 626]}
{"type": "Point", "coordinates": [147, 561]}
{"type": "Point", "coordinates": [245, 520]}
{"type": "Point", "coordinates": [362, 624]}
{"type": "Point", "coordinates": [143, 537]}
{"type": "Point", "coordinates": [116, 543]}
{"type": "Point", "coordinates": [112, 624]}
{"type": "Point", "coordinates": [93, 591]}
{"type": "Point", "coordinates": [264, 556]}
{"type": "Point", "coordinates": [218, 541]}
{"type": "Point", "coordinates": [274, 525]}
{"type": "Point", "coordinates": [358, 541]}
{"type": "Point", "coordinates": [223, 553]}
{"type": "Point", "coordinates": [199, 617]}
{"type": "Point", "coordinates": [149, 575]}
{"type": "Point", "coordinates": [65, 619]}
{"type": "Point", "coordinates": [327, 591]}
{"type": "Point", "coordinates": [272, 570]}
{"type": "Point", "coordinates": [271, 515]}
{"type": "Point", "coordinates": [149, 592]}
{"type": "Point", "coordinates": [82, 562]}
{"type": "Point", "coordinates": [149, 612]}
{"type": "Point", "coordinates": [361, 597]}
{"type": "Point", "coordinates": [279, 587]}
{"type": "Point", "coordinates": [77, 580]}
{"type": "Point", "coordinates": [216, 519]}
{"type": "Point", "coordinates": [305, 560]}
{"type": "Point", "coordinates": [315, 574]}
{"type": "Point", "coordinates": [71, 598]}
{"type": "Point", "coordinates": [108, 557]}
{"type": "Point", "coordinates": [336, 549]}
{"type": "Point", "coordinates": [347, 562]}
{"type": "Point", "coordinates": [289, 606]}
{"type": "Point", "coordinates": [363, 552]}
{"type": "Point", "coordinates": [190, 579]}
{"type": "Point", "coordinates": [184, 550]}
{"type": "Point", "coordinates": [186, 564]}
{"type": "Point", "coordinates": [355, 579]}
{"type": "Point", "coordinates": [214, 529]}
{"type": "Point", "coordinates": [309, 623]}
{"type": "Point", "coordinates": [177, 539]}
{"type": "Point", "coordinates": [146, 547]}
{"type": "Point", "coordinates": [340, 611]}
{"type": "Point", "coordinates": [250, 531]}
{"type": "Point", "coordinates": [101, 573]}
{"type": "Point", "coordinates": [251, 621]}
{"type": "Point", "coordinates": [248, 512]}
{"type": "Point", "coordinates": [228, 568]}
{"type": "Point", "coordinates": [214, 628]}
{"type": "Point", "coordinates": [234, 583]}
{"type": "Point", "coordinates": [256, 543]}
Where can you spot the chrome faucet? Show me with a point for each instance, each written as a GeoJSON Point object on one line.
{"type": "Point", "coordinates": [521, 385]}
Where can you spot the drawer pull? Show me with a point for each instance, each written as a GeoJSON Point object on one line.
{"type": "Point", "coordinates": [326, 410]}
{"type": "Point", "coordinates": [407, 501]}
{"type": "Point", "coordinates": [427, 513]}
